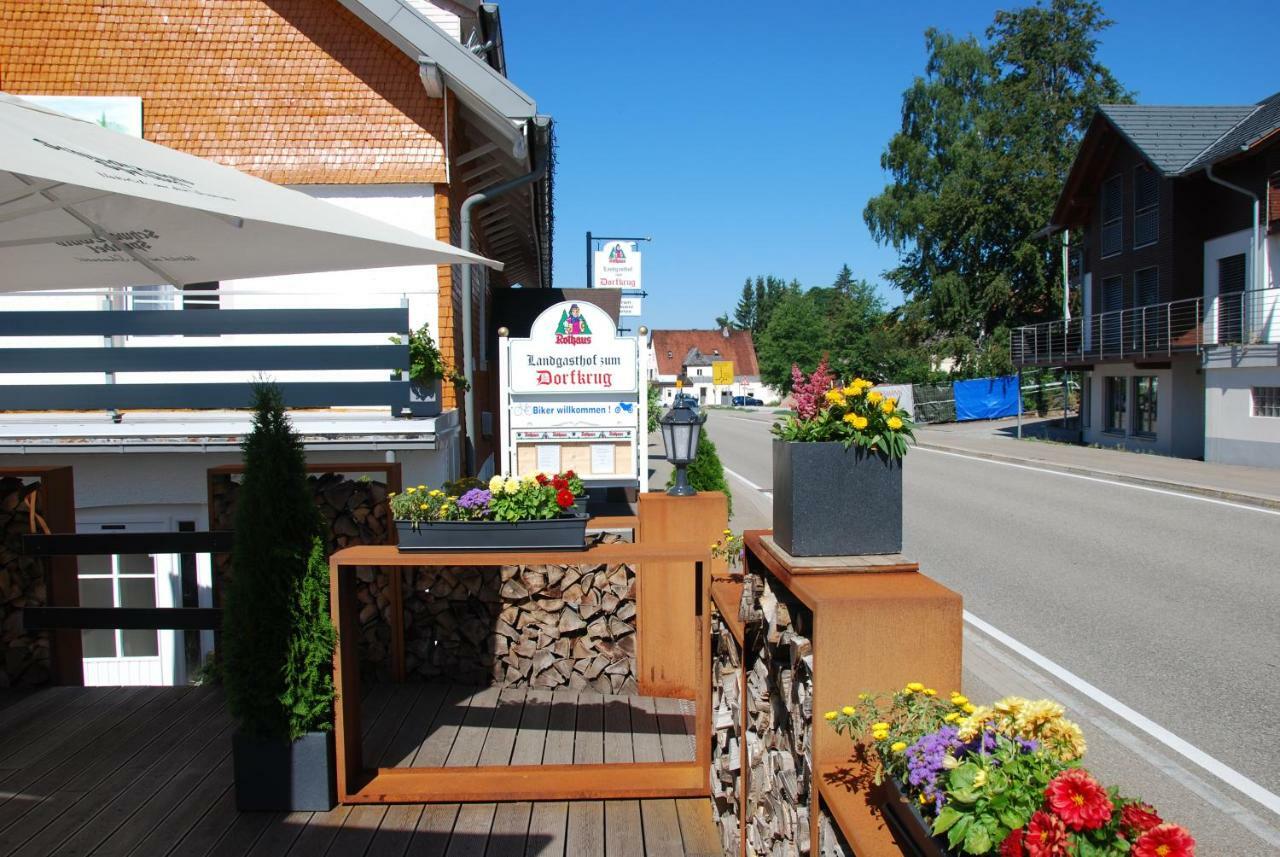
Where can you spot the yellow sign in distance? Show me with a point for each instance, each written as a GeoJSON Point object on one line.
{"type": "Point", "coordinates": [722, 372]}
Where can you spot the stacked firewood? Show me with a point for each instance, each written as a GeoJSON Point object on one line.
{"type": "Point", "coordinates": [832, 842]}
{"type": "Point", "coordinates": [726, 752]}
{"type": "Point", "coordinates": [24, 657]}
{"type": "Point", "coordinates": [541, 626]}
{"type": "Point", "coordinates": [779, 703]}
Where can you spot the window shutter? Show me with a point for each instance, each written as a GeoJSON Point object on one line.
{"type": "Point", "coordinates": [1146, 287]}
{"type": "Point", "coordinates": [1146, 207]}
{"type": "Point", "coordinates": [1231, 271]}
{"type": "Point", "coordinates": [1112, 207]}
{"type": "Point", "coordinates": [1112, 294]}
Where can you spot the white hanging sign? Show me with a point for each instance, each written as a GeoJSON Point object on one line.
{"type": "Point", "coordinates": [616, 266]}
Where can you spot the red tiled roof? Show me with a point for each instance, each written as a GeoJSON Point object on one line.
{"type": "Point", "coordinates": [737, 347]}
{"type": "Point", "coordinates": [294, 91]}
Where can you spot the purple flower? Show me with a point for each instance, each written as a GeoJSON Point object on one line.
{"type": "Point", "coordinates": [924, 762]}
{"type": "Point", "coordinates": [475, 501]}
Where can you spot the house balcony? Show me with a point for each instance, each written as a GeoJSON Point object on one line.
{"type": "Point", "coordinates": [1154, 331]}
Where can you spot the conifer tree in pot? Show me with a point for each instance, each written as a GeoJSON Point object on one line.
{"type": "Point", "coordinates": [277, 638]}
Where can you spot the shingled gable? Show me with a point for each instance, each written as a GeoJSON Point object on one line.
{"type": "Point", "coordinates": [672, 347]}
{"type": "Point", "coordinates": [1175, 140]}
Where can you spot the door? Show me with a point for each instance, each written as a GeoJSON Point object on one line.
{"type": "Point", "coordinates": [137, 657]}
{"type": "Point", "coordinates": [1231, 278]}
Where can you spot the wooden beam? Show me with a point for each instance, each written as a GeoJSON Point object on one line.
{"type": "Point", "coordinates": [122, 618]}
{"type": "Point", "coordinates": [105, 543]}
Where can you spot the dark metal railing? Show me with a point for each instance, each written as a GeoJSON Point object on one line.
{"type": "Point", "coordinates": [1155, 330]}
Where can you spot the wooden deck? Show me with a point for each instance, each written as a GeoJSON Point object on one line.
{"type": "Point", "coordinates": [436, 725]}
{"type": "Point", "coordinates": [111, 772]}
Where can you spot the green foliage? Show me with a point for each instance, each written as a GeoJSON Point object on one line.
{"type": "Point", "coordinates": [988, 134]}
{"type": "Point", "coordinates": [744, 315]}
{"type": "Point", "coordinates": [426, 363]}
{"type": "Point", "coordinates": [654, 392]}
{"type": "Point", "coordinates": [308, 670]}
{"type": "Point", "coordinates": [276, 524]}
{"type": "Point", "coordinates": [706, 473]}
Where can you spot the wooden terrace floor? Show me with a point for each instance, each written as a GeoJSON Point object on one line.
{"type": "Point", "coordinates": [111, 772]}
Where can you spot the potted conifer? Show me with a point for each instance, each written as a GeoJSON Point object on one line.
{"type": "Point", "coordinates": [277, 638]}
{"type": "Point", "coordinates": [837, 469]}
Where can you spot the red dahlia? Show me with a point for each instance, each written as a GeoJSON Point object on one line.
{"type": "Point", "coordinates": [1165, 840]}
{"type": "Point", "coordinates": [1138, 818]}
{"type": "Point", "coordinates": [1046, 836]}
{"type": "Point", "coordinates": [542, 479]}
{"type": "Point", "coordinates": [564, 498]}
{"type": "Point", "coordinates": [569, 474]}
{"type": "Point", "coordinates": [1012, 845]}
{"type": "Point", "coordinates": [1078, 800]}
{"type": "Point", "coordinates": [560, 483]}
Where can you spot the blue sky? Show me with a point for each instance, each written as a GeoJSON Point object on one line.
{"type": "Point", "coordinates": [745, 137]}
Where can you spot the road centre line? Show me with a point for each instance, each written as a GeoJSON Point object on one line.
{"type": "Point", "coordinates": [1223, 772]}
{"type": "Point", "coordinates": [1115, 482]}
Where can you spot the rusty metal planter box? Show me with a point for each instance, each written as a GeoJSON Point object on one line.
{"type": "Point", "coordinates": [567, 532]}
{"type": "Point", "coordinates": [832, 501]}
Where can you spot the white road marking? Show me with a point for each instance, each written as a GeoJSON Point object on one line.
{"type": "Point", "coordinates": [1228, 775]}
{"type": "Point", "coordinates": [1115, 482]}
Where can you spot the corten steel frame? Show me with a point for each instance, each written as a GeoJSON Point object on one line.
{"type": "Point", "coordinates": [391, 475]}
{"type": "Point", "coordinates": [58, 495]}
{"type": "Point", "coordinates": [359, 784]}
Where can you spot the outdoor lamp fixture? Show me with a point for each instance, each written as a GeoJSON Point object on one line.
{"type": "Point", "coordinates": [680, 430]}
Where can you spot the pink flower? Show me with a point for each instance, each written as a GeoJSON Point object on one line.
{"type": "Point", "coordinates": [808, 392]}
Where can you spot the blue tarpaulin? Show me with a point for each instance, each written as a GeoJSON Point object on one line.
{"type": "Point", "coordinates": [986, 398]}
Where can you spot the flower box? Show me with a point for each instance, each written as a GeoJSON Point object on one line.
{"type": "Point", "coordinates": [567, 532]}
{"type": "Point", "coordinates": [833, 500]}
{"type": "Point", "coordinates": [912, 829]}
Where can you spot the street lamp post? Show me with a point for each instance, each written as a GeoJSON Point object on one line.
{"type": "Point", "coordinates": [680, 430]}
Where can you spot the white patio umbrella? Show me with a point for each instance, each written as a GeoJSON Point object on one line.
{"type": "Point", "coordinates": [82, 206]}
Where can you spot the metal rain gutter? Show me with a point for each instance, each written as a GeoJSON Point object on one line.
{"type": "Point", "coordinates": [1255, 268]}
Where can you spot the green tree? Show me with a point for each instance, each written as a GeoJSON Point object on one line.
{"type": "Point", "coordinates": [744, 315]}
{"type": "Point", "coordinates": [987, 136]}
{"type": "Point", "coordinates": [274, 642]}
{"type": "Point", "coordinates": [797, 333]}
{"type": "Point", "coordinates": [706, 473]}
{"type": "Point", "coordinates": [844, 280]}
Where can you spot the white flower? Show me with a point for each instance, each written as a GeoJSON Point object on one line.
{"type": "Point", "coordinates": [495, 485]}
{"type": "Point", "coordinates": [512, 485]}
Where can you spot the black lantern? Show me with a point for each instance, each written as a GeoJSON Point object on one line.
{"type": "Point", "coordinates": [680, 430]}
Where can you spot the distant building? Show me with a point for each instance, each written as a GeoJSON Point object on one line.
{"type": "Point", "coordinates": [689, 355]}
{"type": "Point", "coordinates": [1174, 219]}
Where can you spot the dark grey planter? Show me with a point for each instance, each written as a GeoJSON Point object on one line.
{"type": "Point", "coordinates": [905, 819]}
{"type": "Point", "coordinates": [567, 532]}
{"type": "Point", "coordinates": [832, 501]}
{"type": "Point", "coordinates": [274, 775]}
{"type": "Point", "coordinates": [424, 399]}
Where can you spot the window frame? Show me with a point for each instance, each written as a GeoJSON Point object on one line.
{"type": "Point", "coordinates": [1257, 410]}
{"type": "Point", "coordinates": [1118, 220]}
{"type": "Point", "coordinates": [1111, 384]}
{"type": "Point", "coordinates": [1137, 411]}
{"type": "Point", "coordinates": [1151, 208]}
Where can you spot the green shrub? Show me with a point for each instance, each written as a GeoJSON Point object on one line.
{"type": "Point", "coordinates": [655, 406]}
{"type": "Point", "coordinates": [706, 473]}
{"type": "Point", "coordinates": [277, 640]}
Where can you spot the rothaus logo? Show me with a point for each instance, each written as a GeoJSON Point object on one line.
{"type": "Point", "coordinates": [573, 328]}
{"type": "Point", "coordinates": [616, 256]}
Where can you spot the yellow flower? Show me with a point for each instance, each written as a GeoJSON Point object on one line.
{"type": "Point", "coordinates": [894, 423]}
{"type": "Point", "coordinates": [423, 506]}
{"type": "Point", "coordinates": [880, 736]}
{"type": "Point", "coordinates": [864, 696]}
{"type": "Point", "coordinates": [728, 532]}
{"type": "Point", "coordinates": [952, 717]}
{"type": "Point", "coordinates": [958, 699]}
{"type": "Point", "coordinates": [923, 800]}
{"type": "Point", "coordinates": [928, 691]}
{"type": "Point", "coordinates": [412, 489]}
{"type": "Point", "coordinates": [915, 687]}
{"type": "Point", "coordinates": [512, 485]}
{"type": "Point", "coordinates": [898, 746]}
{"type": "Point", "coordinates": [888, 405]}
{"type": "Point", "coordinates": [835, 397]}
{"type": "Point", "coordinates": [879, 727]}
{"type": "Point", "coordinates": [391, 494]}
{"type": "Point", "coordinates": [874, 397]}
{"type": "Point", "coordinates": [847, 711]}
{"type": "Point", "coordinates": [851, 391]}
{"type": "Point", "coordinates": [422, 488]}
{"type": "Point", "coordinates": [495, 485]}
{"type": "Point", "coordinates": [830, 715]}
{"type": "Point", "coordinates": [856, 421]}
{"type": "Point", "coordinates": [980, 778]}
{"type": "Point", "coordinates": [968, 708]}
{"type": "Point", "coordinates": [715, 546]}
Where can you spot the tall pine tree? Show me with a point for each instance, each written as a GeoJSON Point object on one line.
{"type": "Point", "coordinates": [744, 315]}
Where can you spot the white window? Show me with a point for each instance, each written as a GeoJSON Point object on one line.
{"type": "Point", "coordinates": [152, 297]}
{"type": "Point", "coordinates": [1146, 207]}
{"type": "Point", "coordinates": [1112, 216]}
{"type": "Point", "coordinates": [1266, 401]}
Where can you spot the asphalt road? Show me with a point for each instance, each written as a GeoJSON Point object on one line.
{"type": "Point", "coordinates": [1167, 603]}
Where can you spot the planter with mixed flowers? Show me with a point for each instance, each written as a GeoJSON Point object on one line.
{"type": "Point", "coordinates": [837, 468]}
{"type": "Point", "coordinates": [533, 512]}
{"type": "Point", "coordinates": [1003, 779]}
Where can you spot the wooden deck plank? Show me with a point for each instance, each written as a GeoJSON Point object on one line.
{"type": "Point", "coordinates": [320, 831]}
{"type": "Point", "coordinates": [646, 737]}
{"type": "Point", "coordinates": [382, 729]}
{"type": "Point", "coordinates": [280, 835]}
{"type": "Point", "coordinates": [510, 831]}
{"type": "Point", "coordinates": [435, 828]}
{"type": "Point", "coordinates": [400, 751]}
{"type": "Point", "coordinates": [623, 833]}
{"type": "Point", "coordinates": [561, 722]}
{"type": "Point", "coordinates": [661, 828]}
{"type": "Point", "coordinates": [396, 831]}
{"type": "Point", "coordinates": [465, 752]}
{"type": "Point", "coordinates": [675, 721]}
{"type": "Point", "coordinates": [471, 830]}
{"type": "Point", "coordinates": [27, 742]}
{"type": "Point", "coordinates": [588, 739]}
{"type": "Point", "coordinates": [697, 829]}
{"type": "Point", "coordinates": [444, 727]}
{"type": "Point", "coordinates": [532, 735]}
{"type": "Point", "coordinates": [617, 729]}
{"type": "Point", "coordinates": [239, 839]}
{"type": "Point", "coordinates": [500, 741]}
{"type": "Point", "coordinates": [584, 833]}
{"type": "Point", "coordinates": [27, 706]}
{"type": "Point", "coordinates": [208, 830]}
{"type": "Point", "coordinates": [357, 831]}
{"type": "Point", "coordinates": [547, 830]}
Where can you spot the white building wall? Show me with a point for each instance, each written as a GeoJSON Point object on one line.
{"type": "Point", "coordinates": [1179, 409]}
{"type": "Point", "coordinates": [1233, 435]}
{"type": "Point", "coordinates": [454, 18]}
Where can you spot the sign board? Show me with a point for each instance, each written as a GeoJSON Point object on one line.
{"type": "Point", "coordinates": [572, 395]}
{"type": "Point", "coordinates": [901, 392]}
{"type": "Point", "coordinates": [722, 372]}
{"type": "Point", "coordinates": [616, 266]}
{"type": "Point", "coordinates": [630, 305]}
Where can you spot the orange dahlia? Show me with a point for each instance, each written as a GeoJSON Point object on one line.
{"type": "Point", "coordinates": [1046, 836]}
{"type": "Point", "coordinates": [1165, 840]}
{"type": "Point", "coordinates": [1078, 800]}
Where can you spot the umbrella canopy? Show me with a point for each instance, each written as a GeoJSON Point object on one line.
{"type": "Point", "coordinates": [82, 206]}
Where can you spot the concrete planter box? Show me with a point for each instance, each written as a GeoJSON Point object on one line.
{"type": "Point", "coordinates": [567, 532]}
{"type": "Point", "coordinates": [832, 501]}
{"type": "Point", "coordinates": [276, 775]}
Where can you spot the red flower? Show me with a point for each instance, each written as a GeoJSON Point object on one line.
{"type": "Point", "coordinates": [1012, 845]}
{"type": "Point", "coordinates": [1138, 818]}
{"type": "Point", "coordinates": [1046, 836]}
{"type": "Point", "coordinates": [1078, 800]}
{"type": "Point", "coordinates": [560, 483]}
{"type": "Point", "coordinates": [564, 498]}
{"type": "Point", "coordinates": [1165, 840]}
{"type": "Point", "coordinates": [542, 479]}
{"type": "Point", "coordinates": [569, 474]}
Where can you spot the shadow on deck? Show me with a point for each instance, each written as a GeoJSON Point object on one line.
{"type": "Point", "coordinates": [147, 771]}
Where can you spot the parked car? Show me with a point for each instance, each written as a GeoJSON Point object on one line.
{"type": "Point", "coordinates": [684, 400]}
{"type": "Point", "coordinates": [746, 401]}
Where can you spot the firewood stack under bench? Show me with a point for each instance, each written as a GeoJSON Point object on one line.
{"type": "Point", "coordinates": [792, 639]}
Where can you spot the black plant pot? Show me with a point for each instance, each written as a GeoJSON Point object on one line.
{"type": "Point", "coordinates": [567, 532]}
{"type": "Point", "coordinates": [276, 775]}
{"type": "Point", "coordinates": [424, 399]}
{"type": "Point", "coordinates": [914, 832]}
{"type": "Point", "coordinates": [832, 501]}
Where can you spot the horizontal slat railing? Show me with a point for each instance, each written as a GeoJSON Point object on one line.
{"type": "Point", "coordinates": [122, 618]}
{"type": "Point", "coordinates": [101, 544]}
{"type": "Point", "coordinates": [199, 358]}
{"type": "Point", "coordinates": [203, 322]}
{"type": "Point", "coordinates": [221, 396]}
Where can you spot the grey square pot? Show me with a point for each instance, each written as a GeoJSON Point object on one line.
{"type": "Point", "coordinates": [276, 775]}
{"type": "Point", "coordinates": [424, 399]}
{"type": "Point", "coordinates": [832, 501]}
